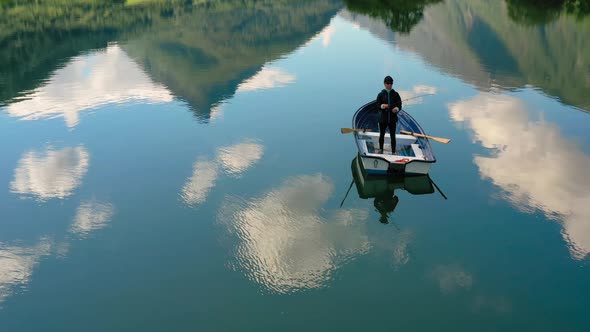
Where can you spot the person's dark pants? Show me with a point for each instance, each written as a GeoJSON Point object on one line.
{"type": "Point", "coordinates": [382, 127]}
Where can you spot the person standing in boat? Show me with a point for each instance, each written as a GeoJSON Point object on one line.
{"type": "Point", "coordinates": [389, 103]}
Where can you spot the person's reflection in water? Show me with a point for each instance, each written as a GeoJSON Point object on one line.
{"type": "Point", "coordinates": [385, 203]}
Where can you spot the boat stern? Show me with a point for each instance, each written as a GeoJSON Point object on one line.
{"type": "Point", "coordinates": [378, 165]}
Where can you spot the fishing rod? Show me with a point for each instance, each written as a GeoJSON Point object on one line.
{"type": "Point", "coordinates": [423, 95]}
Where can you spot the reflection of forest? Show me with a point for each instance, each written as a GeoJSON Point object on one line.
{"type": "Point", "coordinates": [202, 57]}
{"type": "Point", "coordinates": [542, 12]}
{"type": "Point", "coordinates": [36, 37]}
{"type": "Point", "coordinates": [480, 42]}
{"type": "Point", "coordinates": [399, 15]}
{"type": "Point", "coordinates": [200, 49]}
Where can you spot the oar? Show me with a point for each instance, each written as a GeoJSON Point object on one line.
{"type": "Point", "coordinates": [438, 139]}
{"type": "Point", "coordinates": [350, 130]}
{"type": "Point", "coordinates": [347, 192]}
{"type": "Point", "coordinates": [437, 188]}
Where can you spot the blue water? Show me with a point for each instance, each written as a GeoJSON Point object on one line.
{"type": "Point", "coordinates": [150, 186]}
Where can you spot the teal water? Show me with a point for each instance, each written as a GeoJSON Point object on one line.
{"type": "Point", "coordinates": [180, 166]}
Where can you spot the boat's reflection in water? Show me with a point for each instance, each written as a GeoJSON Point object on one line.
{"type": "Point", "coordinates": [382, 188]}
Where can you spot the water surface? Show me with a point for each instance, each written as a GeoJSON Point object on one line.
{"type": "Point", "coordinates": [179, 166]}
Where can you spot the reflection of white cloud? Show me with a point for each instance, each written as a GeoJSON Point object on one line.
{"type": "Point", "coordinates": [327, 34]}
{"type": "Point", "coordinates": [537, 167]}
{"type": "Point", "coordinates": [216, 112]}
{"type": "Point", "coordinates": [237, 158]}
{"type": "Point", "coordinates": [267, 78]}
{"type": "Point", "coordinates": [233, 159]}
{"type": "Point", "coordinates": [284, 242]}
{"type": "Point", "coordinates": [88, 81]}
{"type": "Point", "coordinates": [411, 97]}
{"type": "Point", "coordinates": [200, 183]}
{"type": "Point", "coordinates": [396, 242]}
{"type": "Point", "coordinates": [496, 304]}
{"type": "Point", "coordinates": [17, 264]}
{"type": "Point", "coordinates": [91, 216]}
{"type": "Point", "coordinates": [62, 249]}
{"type": "Point", "coordinates": [50, 174]}
{"type": "Point", "coordinates": [424, 89]}
{"type": "Point", "coordinates": [451, 278]}
{"type": "Point", "coordinates": [401, 255]}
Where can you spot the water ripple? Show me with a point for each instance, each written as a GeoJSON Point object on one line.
{"type": "Point", "coordinates": [51, 173]}
{"type": "Point", "coordinates": [538, 168]}
{"type": "Point", "coordinates": [282, 240]}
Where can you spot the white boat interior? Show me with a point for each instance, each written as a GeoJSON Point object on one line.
{"type": "Point", "coordinates": [406, 147]}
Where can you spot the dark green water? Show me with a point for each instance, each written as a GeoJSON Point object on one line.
{"type": "Point", "coordinates": [179, 166]}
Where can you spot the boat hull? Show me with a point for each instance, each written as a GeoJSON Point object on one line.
{"type": "Point", "coordinates": [371, 186]}
{"type": "Point", "coordinates": [380, 166]}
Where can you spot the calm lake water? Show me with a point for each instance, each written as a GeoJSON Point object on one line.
{"type": "Point", "coordinates": [179, 166]}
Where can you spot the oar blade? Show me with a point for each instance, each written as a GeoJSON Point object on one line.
{"type": "Point", "coordinates": [440, 139]}
{"type": "Point", "coordinates": [346, 130]}
{"type": "Point", "coordinates": [350, 130]}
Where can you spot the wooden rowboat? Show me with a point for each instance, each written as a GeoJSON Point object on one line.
{"type": "Point", "coordinates": [412, 154]}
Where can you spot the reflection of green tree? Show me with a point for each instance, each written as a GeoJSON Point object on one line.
{"type": "Point", "coordinates": [477, 40]}
{"type": "Point", "coordinates": [399, 15]}
{"type": "Point", "coordinates": [38, 36]}
{"type": "Point", "coordinates": [533, 12]}
{"type": "Point", "coordinates": [200, 49]}
{"type": "Point", "coordinates": [205, 55]}
{"type": "Point", "coordinates": [553, 57]}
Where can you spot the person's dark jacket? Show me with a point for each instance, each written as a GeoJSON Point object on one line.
{"type": "Point", "coordinates": [393, 100]}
